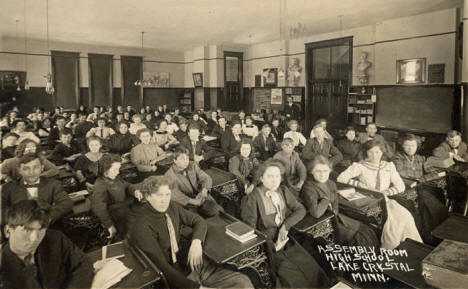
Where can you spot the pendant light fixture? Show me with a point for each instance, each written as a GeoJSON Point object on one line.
{"type": "Point", "coordinates": [281, 73]}
{"type": "Point", "coordinates": [26, 82]}
{"type": "Point", "coordinates": [17, 78]}
{"type": "Point", "coordinates": [49, 88]}
{"type": "Point", "coordinates": [143, 82]}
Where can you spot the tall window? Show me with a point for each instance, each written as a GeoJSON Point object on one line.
{"type": "Point", "coordinates": [65, 69]}
{"type": "Point", "coordinates": [100, 79]}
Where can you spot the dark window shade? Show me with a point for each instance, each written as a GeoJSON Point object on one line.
{"type": "Point", "coordinates": [65, 71]}
{"type": "Point", "coordinates": [100, 79]}
{"type": "Point", "coordinates": [132, 70]}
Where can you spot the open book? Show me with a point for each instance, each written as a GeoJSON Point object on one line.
{"type": "Point", "coordinates": [110, 273]}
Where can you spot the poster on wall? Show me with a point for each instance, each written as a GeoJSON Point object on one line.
{"type": "Point", "coordinates": [276, 96]}
{"type": "Point", "coordinates": [157, 79]}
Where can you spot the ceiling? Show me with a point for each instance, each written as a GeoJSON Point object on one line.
{"type": "Point", "coordinates": [184, 24]}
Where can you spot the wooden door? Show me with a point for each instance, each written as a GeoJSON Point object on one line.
{"type": "Point", "coordinates": [329, 72]}
{"type": "Point", "coordinates": [233, 81]}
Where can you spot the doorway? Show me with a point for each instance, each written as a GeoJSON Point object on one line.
{"type": "Point", "coordinates": [328, 76]}
{"type": "Point", "coordinates": [233, 81]}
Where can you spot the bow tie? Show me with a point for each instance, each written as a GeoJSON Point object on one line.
{"type": "Point", "coordinates": [31, 185]}
{"type": "Point", "coordinates": [250, 126]}
{"type": "Point", "coordinates": [161, 132]}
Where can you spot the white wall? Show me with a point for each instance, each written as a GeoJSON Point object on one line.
{"type": "Point", "coordinates": [155, 60]}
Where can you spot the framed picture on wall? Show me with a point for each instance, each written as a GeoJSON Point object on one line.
{"type": "Point", "coordinates": [198, 79]}
{"type": "Point", "coordinates": [411, 71]}
{"type": "Point", "coordinates": [270, 77]}
{"type": "Point", "coordinates": [276, 96]}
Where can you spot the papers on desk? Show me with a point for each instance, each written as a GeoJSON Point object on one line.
{"type": "Point", "coordinates": [351, 194]}
{"type": "Point", "coordinates": [110, 273]}
{"type": "Point", "coordinates": [208, 138]}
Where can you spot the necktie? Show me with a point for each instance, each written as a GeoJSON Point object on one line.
{"type": "Point", "coordinates": [377, 183]}
{"type": "Point", "coordinates": [276, 204]}
{"type": "Point", "coordinates": [101, 134]}
{"type": "Point", "coordinates": [172, 237]}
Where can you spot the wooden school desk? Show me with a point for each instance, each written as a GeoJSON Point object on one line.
{"type": "Point", "coordinates": [454, 228]}
{"type": "Point", "coordinates": [320, 229]}
{"type": "Point", "coordinates": [226, 190]}
{"type": "Point", "coordinates": [222, 249]}
{"type": "Point", "coordinates": [144, 272]}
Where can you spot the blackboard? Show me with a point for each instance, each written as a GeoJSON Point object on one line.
{"type": "Point", "coordinates": [426, 108]}
{"type": "Point", "coordinates": [262, 98]}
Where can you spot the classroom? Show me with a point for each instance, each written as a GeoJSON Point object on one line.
{"type": "Point", "coordinates": [233, 144]}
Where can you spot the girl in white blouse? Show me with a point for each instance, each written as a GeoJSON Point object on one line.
{"type": "Point", "coordinates": [381, 176]}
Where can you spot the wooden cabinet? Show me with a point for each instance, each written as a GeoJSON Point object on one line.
{"type": "Point", "coordinates": [186, 102]}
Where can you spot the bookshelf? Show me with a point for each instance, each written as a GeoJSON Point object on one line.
{"type": "Point", "coordinates": [186, 102]}
{"type": "Point", "coordinates": [361, 105]}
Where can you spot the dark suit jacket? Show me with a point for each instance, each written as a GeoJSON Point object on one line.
{"type": "Point", "coordinates": [51, 196]}
{"type": "Point", "coordinates": [229, 144]}
{"type": "Point", "coordinates": [201, 148]}
{"type": "Point", "coordinates": [54, 136]}
{"type": "Point", "coordinates": [312, 149]}
{"type": "Point", "coordinates": [259, 146]}
{"type": "Point", "coordinates": [294, 111]}
{"type": "Point", "coordinates": [443, 150]}
{"type": "Point", "coordinates": [218, 131]}
{"type": "Point", "coordinates": [61, 265]}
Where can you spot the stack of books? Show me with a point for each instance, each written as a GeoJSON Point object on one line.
{"type": "Point", "coordinates": [240, 231]}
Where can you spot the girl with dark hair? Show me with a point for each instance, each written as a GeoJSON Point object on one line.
{"type": "Point", "coordinates": [86, 165]}
{"type": "Point", "coordinates": [112, 197]}
{"type": "Point", "coordinates": [243, 165]}
{"type": "Point", "coordinates": [381, 176]}
{"type": "Point", "coordinates": [410, 166]}
{"type": "Point", "coordinates": [273, 209]}
{"type": "Point", "coordinates": [320, 195]}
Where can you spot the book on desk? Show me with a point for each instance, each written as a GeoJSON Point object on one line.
{"type": "Point", "coordinates": [240, 231]}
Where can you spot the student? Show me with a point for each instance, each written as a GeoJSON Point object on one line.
{"type": "Point", "coordinates": [48, 192]}
{"type": "Point", "coordinates": [240, 117]}
{"type": "Point", "coordinates": [44, 127]}
{"type": "Point", "coordinates": [375, 174]}
{"type": "Point", "coordinates": [276, 129]}
{"type": "Point", "coordinates": [157, 231]}
{"type": "Point", "coordinates": [265, 143]}
{"type": "Point", "coordinates": [371, 134]}
{"type": "Point", "coordinates": [82, 128]}
{"type": "Point", "coordinates": [171, 126]}
{"type": "Point", "coordinates": [148, 110]}
{"type": "Point", "coordinates": [231, 139]}
{"type": "Point", "coordinates": [101, 131]}
{"type": "Point", "coordinates": [320, 195]}
{"type": "Point", "coordinates": [453, 147]}
{"type": "Point", "coordinates": [157, 116]}
{"type": "Point", "coordinates": [137, 124]}
{"type": "Point", "coordinates": [92, 117]}
{"type": "Point", "coordinates": [54, 135]}
{"type": "Point", "coordinates": [292, 110]}
{"type": "Point", "coordinates": [349, 147]}
{"type": "Point", "coordinates": [297, 137]}
{"type": "Point", "coordinates": [148, 122]}
{"type": "Point", "coordinates": [146, 154]}
{"type": "Point", "coordinates": [323, 123]}
{"type": "Point", "coordinates": [196, 120]}
{"type": "Point", "coordinates": [9, 145]}
{"type": "Point", "coordinates": [320, 144]}
{"type": "Point", "coordinates": [66, 150]}
{"type": "Point", "coordinates": [71, 124]}
{"type": "Point", "coordinates": [182, 133]}
{"type": "Point", "coordinates": [10, 167]}
{"type": "Point", "coordinates": [190, 184]}
{"type": "Point", "coordinates": [295, 170]}
{"type": "Point", "coordinates": [220, 128]}
{"type": "Point", "coordinates": [113, 198]}
{"type": "Point", "coordinates": [127, 116]}
{"type": "Point", "coordinates": [122, 142]}
{"type": "Point", "coordinates": [87, 165]}
{"type": "Point", "coordinates": [199, 151]}
{"type": "Point", "coordinates": [243, 165]}
{"type": "Point", "coordinates": [37, 257]}
{"type": "Point", "coordinates": [82, 109]}
{"type": "Point", "coordinates": [162, 137]}
{"type": "Point", "coordinates": [20, 129]}
{"type": "Point", "coordinates": [212, 122]}
{"type": "Point", "coordinates": [410, 165]}
{"type": "Point", "coordinates": [272, 209]}
{"type": "Point", "coordinates": [249, 129]}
